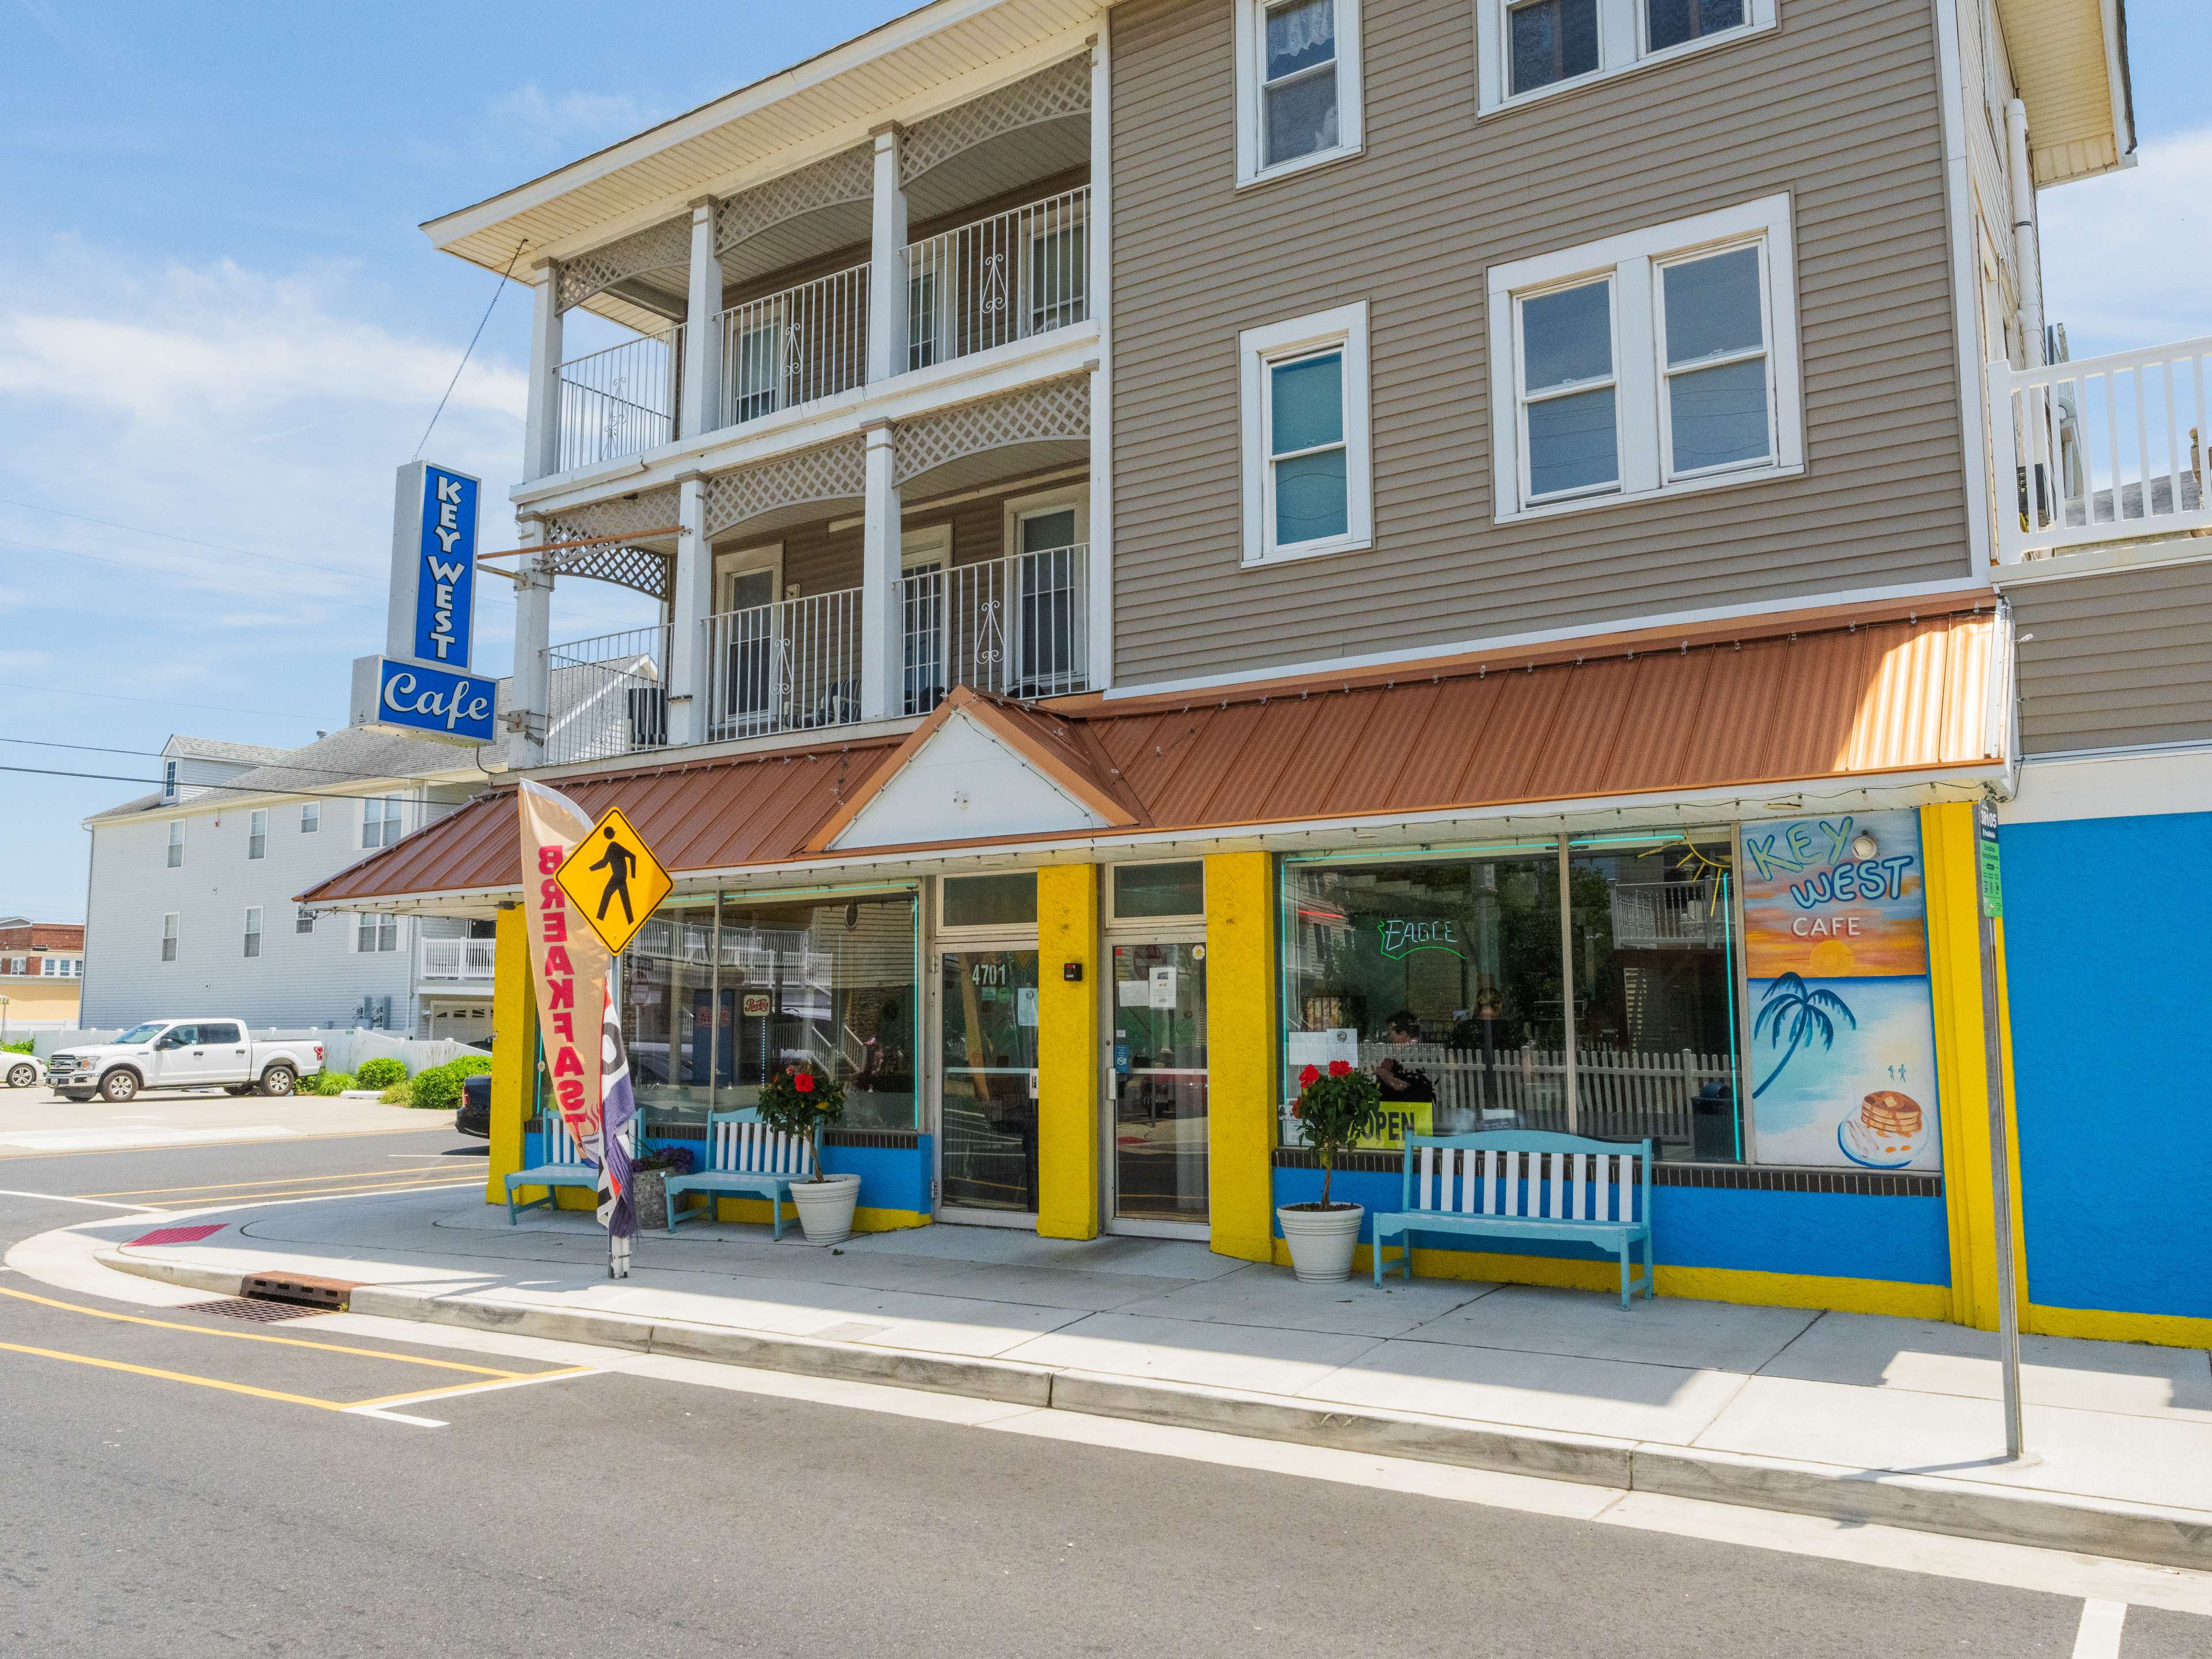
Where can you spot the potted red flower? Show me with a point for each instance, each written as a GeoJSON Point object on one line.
{"type": "Point", "coordinates": [1335, 1109]}
{"type": "Point", "coordinates": [801, 1101]}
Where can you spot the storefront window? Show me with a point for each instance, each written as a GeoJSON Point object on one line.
{"type": "Point", "coordinates": [1442, 976]}
{"type": "Point", "coordinates": [1656, 967]}
{"type": "Point", "coordinates": [1145, 891]}
{"type": "Point", "coordinates": [828, 980]}
{"type": "Point", "coordinates": [1008, 900]}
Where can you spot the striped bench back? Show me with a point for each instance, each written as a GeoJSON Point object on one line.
{"type": "Point", "coordinates": [555, 1144]}
{"type": "Point", "coordinates": [1518, 1175]}
{"type": "Point", "coordinates": [738, 1143]}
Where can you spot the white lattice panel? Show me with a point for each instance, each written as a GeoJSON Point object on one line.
{"type": "Point", "coordinates": [825, 473]}
{"type": "Point", "coordinates": [847, 176]}
{"type": "Point", "coordinates": [1050, 94]}
{"type": "Point", "coordinates": [654, 248]}
{"type": "Point", "coordinates": [1053, 409]}
{"type": "Point", "coordinates": [609, 557]}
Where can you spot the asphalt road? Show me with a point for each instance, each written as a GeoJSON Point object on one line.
{"type": "Point", "coordinates": [183, 1484]}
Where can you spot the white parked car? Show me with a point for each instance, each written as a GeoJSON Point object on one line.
{"type": "Point", "coordinates": [21, 1071]}
{"type": "Point", "coordinates": [182, 1054]}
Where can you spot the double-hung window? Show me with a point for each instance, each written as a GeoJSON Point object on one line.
{"type": "Point", "coordinates": [257, 833]}
{"type": "Point", "coordinates": [303, 919]}
{"type": "Point", "coordinates": [1299, 85]}
{"type": "Point", "coordinates": [176, 843]}
{"type": "Point", "coordinates": [1306, 472]}
{"type": "Point", "coordinates": [380, 821]}
{"type": "Point", "coordinates": [1527, 49]}
{"type": "Point", "coordinates": [169, 937]}
{"type": "Point", "coordinates": [376, 932]}
{"type": "Point", "coordinates": [252, 930]}
{"type": "Point", "coordinates": [311, 817]}
{"type": "Point", "coordinates": [1658, 363]}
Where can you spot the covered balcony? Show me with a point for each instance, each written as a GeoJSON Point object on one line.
{"type": "Point", "coordinates": [2099, 450]}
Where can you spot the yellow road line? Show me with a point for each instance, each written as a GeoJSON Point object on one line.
{"type": "Point", "coordinates": [178, 1376]}
{"type": "Point", "coordinates": [241, 1186]}
{"type": "Point", "coordinates": [263, 1336]}
{"type": "Point", "coordinates": [472, 1388]}
{"type": "Point", "coordinates": [242, 1201]}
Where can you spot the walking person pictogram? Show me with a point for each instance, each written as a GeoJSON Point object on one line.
{"type": "Point", "coordinates": [617, 860]}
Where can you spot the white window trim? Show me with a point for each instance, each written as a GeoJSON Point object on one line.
{"type": "Point", "coordinates": [1256, 348]}
{"type": "Point", "coordinates": [250, 943]}
{"type": "Point", "coordinates": [1631, 261]}
{"type": "Point", "coordinates": [257, 833]}
{"type": "Point", "coordinates": [1623, 26]}
{"type": "Point", "coordinates": [311, 818]}
{"type": "Point", "coordinates": [1115, 920]}
{"type": "Point", "coordinates": [1018, 508]}
{"type": "Point", "coordinates": [744, 560]}
{"type": "Point", "coordinates": [171, 933]}
{"type": "Point", "coordinates": [174, 842]}
{"type": "Point", "coordinates": [1350, 96]}
{"type": "Point", "coordinates": [376, 804]}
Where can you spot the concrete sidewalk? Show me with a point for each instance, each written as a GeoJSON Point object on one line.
{"type": "Point", "coordinates": [1843, 1415]}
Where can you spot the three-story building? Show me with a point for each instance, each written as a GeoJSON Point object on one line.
{"type": "Point", "coordinates": [1200, 537]}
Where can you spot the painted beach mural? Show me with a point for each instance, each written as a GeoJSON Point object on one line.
{"type": "Point", "coordinates": [1842, 1048]}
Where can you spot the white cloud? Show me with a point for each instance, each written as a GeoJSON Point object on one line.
{"type": "Point", "coordinates": [2125, 256]}
{"type": "Point", "coordinates": [530, 114]}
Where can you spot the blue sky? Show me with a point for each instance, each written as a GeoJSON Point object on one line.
{"type": "Point", "coordinates": [219, 321]}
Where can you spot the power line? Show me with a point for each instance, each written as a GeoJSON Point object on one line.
{"type": "Point", "coordinates": [159, 703]}
{"type": "Point", "coordinates": [498, 291]}
{"type": "Point", "coordinates": [189, 541]}
{"type": "Point", "coordinates": [236, 788]}
{"type": "Point", "coordinates": [156, 754]}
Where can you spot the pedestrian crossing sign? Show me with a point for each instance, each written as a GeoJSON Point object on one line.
{"type": "Point", "coordinates": [613, 879]}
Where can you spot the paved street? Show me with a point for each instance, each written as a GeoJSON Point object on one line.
{"type": "Point", "coordinates": [193, 1484]}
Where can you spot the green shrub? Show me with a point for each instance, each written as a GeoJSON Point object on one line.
{"type": "Point", "coordinates": [395, 1095]}
{"type": "Point", "coordinates": [24, 1048]}
{"type": "Point", "coordinates": [469, 1065]}
{"type": "Point", "coordinates": [381, 1073]}
{"type": "Point", "coordinates": [332, 1083]}
{"type": "Point", "coordinates": [437, 1089]}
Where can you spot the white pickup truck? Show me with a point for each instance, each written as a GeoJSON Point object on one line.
{"type": "Point", "coordinates": [182, 1054]}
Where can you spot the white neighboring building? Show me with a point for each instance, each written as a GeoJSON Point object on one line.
{"type": "Point", "coordinates": [190, 904]}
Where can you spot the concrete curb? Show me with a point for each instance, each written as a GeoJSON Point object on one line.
{"type": "Point", "coordinates": [2136, 1532]}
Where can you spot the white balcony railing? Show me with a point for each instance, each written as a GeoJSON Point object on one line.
{"type": "Point", "coordinates": [791, 348]}
{"type": "Point", "coordinates": [469, 959]}
{"type": "Point", "coordinates": [609, 696]}
{"type": "Point", "coordinates": [1018, 626]}
{"type": "Point", "coordinates": [2103, 449]}
{"type": "Point", "coordinates": [621, 401]}
{"type": "Point", "coordinates": [1016, 274]}
{"type": "Point", "coordinates": [794, 666]}
{"type": "Point", "coordinates": [1668, 915]}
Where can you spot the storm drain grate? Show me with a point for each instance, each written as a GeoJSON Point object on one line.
{"type": "Point", "coordinates": [245, 1306]}
{"type": "Point", "coordinates": [323, 1295]}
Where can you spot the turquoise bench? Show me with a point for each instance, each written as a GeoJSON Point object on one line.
{"type": "Point", "coordinates": [744, 1158]}
{"type": "Point", "coordinates": [564, 1166]}
{"type": "Point", "coordinates": [1525, 1184]}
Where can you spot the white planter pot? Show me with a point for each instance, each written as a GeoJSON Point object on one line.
{"type": "Point", "coordinates": [1321, 1241]}
{"type": "Point", "coordinates": [825, 1207]}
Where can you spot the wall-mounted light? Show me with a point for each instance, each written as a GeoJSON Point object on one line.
{"type": "Point", "coordinates": [1864, 846]}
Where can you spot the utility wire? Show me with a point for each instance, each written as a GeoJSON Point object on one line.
{"type": "Point", "coordinates": [156, 754]}
{"type": "Point", "coordinates": [473, 339]}
{"type": "Point", "coordinates": [234, 789]}
{"type": "Point", "coordinates": [189, 541]}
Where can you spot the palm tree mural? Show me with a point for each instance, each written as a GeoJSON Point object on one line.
{"type": "Point", "coordinates": [1790, 1002]}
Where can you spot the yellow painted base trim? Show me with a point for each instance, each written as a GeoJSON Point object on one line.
{"type": "Point", "coordinates": [1868, 1296]}
{"type": "Point", "coordinates": [865, 1219]}
{"type": "Point", "coordinates": [2164, 1330]}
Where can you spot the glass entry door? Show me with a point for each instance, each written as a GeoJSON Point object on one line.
{"type": "Point", "coordinates": [1159, 1083]}
{"type": "Point", "coordinates": [987, 1079]}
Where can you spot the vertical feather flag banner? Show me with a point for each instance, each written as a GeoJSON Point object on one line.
{"type": "Point", "coordinates": [570, 974]}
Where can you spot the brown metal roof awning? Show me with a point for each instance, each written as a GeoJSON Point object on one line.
{"type": "Point", "coordinates": [1863, 694]}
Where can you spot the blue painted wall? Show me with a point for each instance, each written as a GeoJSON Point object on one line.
{"type": "Point", "coordinates": [891, 1178]}
{"type": "Point", "coordinates": [1832, 1235]}
{"type": "Point", "coordinates": [2110, 973]}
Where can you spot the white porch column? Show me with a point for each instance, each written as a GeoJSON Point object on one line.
{"type": "Point", "coordinates": [887, 263]}
{"type": "Point", "coordinates": [541, 429]}
{"type": "Point", "coordinates": [530, 700]}
{"type": "Point", "coordinates": [1100, 282]}
{"type": "Point", "coordinates": [883, 636]}
{"type": "Point", "coordinates": [702, 353]}
{"type": "Point", "coordinates": [690, 606]}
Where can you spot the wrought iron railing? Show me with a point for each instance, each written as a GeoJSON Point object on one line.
{"type": "Point", "coordinates": [791, 348]}
{"type": "Point", "coordinates": [1016, 274]}
{"type": "Point", "coordinates": [609, 696]}
{"type": "Point", "coordinates": [1018, 626]}
{"type": "Point", "coordinates": [621, 401]}
{"type": "Point", "coordinates": [792, 665]}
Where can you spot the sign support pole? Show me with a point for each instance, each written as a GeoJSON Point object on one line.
{"type": "Point", "coordinates": [1992, 908]}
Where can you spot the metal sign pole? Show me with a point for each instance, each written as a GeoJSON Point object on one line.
{"type": "Point", "coordinates": [1992, 908]}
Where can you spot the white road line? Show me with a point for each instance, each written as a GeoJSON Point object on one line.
{"type": "Point", "coordinates": [97, 1204]}
{"type": "Point", "coordinates": [474, 1387]}
{"type": "Point", "coordinates": [2099, 1635]}
{"type": "Point", "coordinates": [395, 1417]}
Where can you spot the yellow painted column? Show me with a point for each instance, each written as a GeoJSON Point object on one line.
{"type": "Point", "coordinates": [1241, 1040]}
{"type": "Point", "coordinates": [1068, 1056]}
{"type": "Point", "coordinates": [1954, 972]}
{"type": "Point", "coordinates": [514, 1050]}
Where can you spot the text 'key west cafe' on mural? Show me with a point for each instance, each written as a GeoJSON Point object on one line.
{"type": "Point", "coordinates": [422, 685]}
{"type": "Point", "coordinates": [1842, 1052]}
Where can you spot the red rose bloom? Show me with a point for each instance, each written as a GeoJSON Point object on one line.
{"type": "Point", "coordinates": [1339, 1068]}
{"type": "Point", "coordinates": [804, 1082]}
{"type": "Point", "coordinates": [1308, 1076]}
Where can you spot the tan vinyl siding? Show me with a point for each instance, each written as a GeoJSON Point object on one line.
{"type": "Point", "coordinates": [2117, 660]}
{"type": "Point", "coordinates": [1839, 106]}
{"type": "Point", "coordinates": [820, 560]}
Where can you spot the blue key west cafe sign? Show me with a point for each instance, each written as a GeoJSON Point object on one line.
{"type": "Point", "coordinates": [422, 684]}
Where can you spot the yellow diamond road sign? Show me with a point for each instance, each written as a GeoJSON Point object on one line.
{"type": "Point", "coordinates": [614, 880]}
